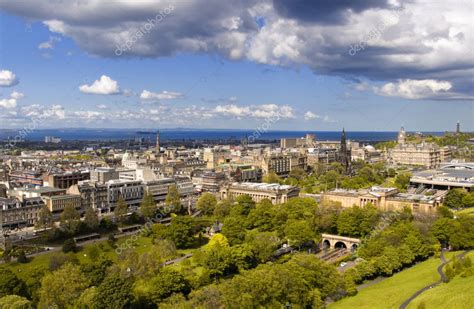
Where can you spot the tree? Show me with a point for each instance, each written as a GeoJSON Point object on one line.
{"type": "Point", "coordinates": [10, 284]}
{"type": "Point", "coordinates": [69, 245]}
{"type": "Point", "coordinates": [222, 208]}
{"type": "Point", "coordinates": [468, 200]}
{"type": "Point", "coordinates": [299, 232]}
{"type": "Point", "coordinates": [216, 257]}
{"type": "Point", "coordinates": [91, 219]}
{"type": "Point", "coordinates": [207, 203]}
{"type": "Point", "coordinates": [121, 210]}
{"type": "Point", "coordinates": [45, 218]}
{"type": "Point", "coordinates": [70, 219]}
{"type": "Point", "coordinates": [114, 292]}
{"type": "Point", "coordinates": [402, 181]}
{"type": "Point", "coordinates": [166, 283]}
{"type": "Point", "coordinates": [173, 200]}
{"type": "Point", "coordinates": [15, 302]}
{"type": "Point", "coordinates": [62, 287]}
{"type": "Point", "coordinates": [148, 205]}
{"type": "Point", "coordinates": [97, 270]}
{"type": "Point", "coordinates": [233, 228]}
{"type": "Point", "coordinates": [22, 257]}
{"type": "Point", "coordinates": [181, 231]}
{"type": "Point", "coordinates": [87, 299]}
{"type": "Point", "coordinates": [298, 173]}
{"type": "Point", "coordinates": [453, 198]}
{"type": "Point", "coordinates": [271, 178]}
{"type": "Point", "coordinates": [263, 244]}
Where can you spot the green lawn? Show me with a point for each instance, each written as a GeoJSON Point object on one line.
{"type": "Point", "coordinates": [466, 211]}
{"type": "Point", "coordinates": [456, 294]}
{"type": "Point", "coordinates": [391, 292]}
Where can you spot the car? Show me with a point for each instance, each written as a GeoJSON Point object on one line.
{"type": "Point", "coordinates": [343, 264]}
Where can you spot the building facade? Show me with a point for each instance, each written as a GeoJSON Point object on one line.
{"type": "Point", "coordinates": [276, 193]}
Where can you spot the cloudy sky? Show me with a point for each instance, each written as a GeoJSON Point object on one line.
{"type": "Point", "coordinates": [310, 64]}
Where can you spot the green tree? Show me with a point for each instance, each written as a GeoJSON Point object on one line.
{"type": "Point", "coordinates": [173, 200]}
{"type": "Point", "coordinates": [207, 203]}
{"type": "Point", "coordinates": [96, 271]}
{"type": "Point", "coordinates": [402, 180]}
{"type": "Point", "coordinates": [148, 205]}
{"type": "Point", "coordinates": [216, 257]}
{"type": "Point", "coordinates": [114, 292]}
{"type": "Point", "coordinates": [62, 287]}
{"type": "Point", "coordinates": [15, 302]}
{"type": "Point", "coordinates": [233, 228]}
{"type": "Point", "coordinates": [69, 245]}
{"type": "Point", "coordinates": [181, 231]}
{"type": "Point", "coordinates": [166, 283]}
{"type": "Point", "coordinates": [121, 210]}
{"type": "Point", "coordinates": [263, 244]}
{"type": "Point", "coordinates": [298, 173]}
{"type": "Point", "coordinates": [22, 257]}
{"type": "Point", "coordinates": [87, 299]}
{"type": "Point", "coordinates": [10, 284]}
{"type": "Point", "coordinates": [299, 232]}
{"type": "Point", "coordinates": [271, 178]}
{"type": "Point", "coordinates": [222, 208]}
{"type": "Point", "coordinates": [453, 198]}
{"type": "Point", "coordinates": [91, 219]}
{"type": "Point", "coordinates": [45, 218]}
{"type": "Point", "coordinates": [70, 220]}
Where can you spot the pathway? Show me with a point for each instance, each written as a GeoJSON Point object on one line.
{"type": "Point", "coordinates": [442, 279]}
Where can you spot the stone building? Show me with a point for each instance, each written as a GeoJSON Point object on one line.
{"type": "Point", "coordinates": [274, 192]}
{"type": "Point", "coordinates": [386, 199]}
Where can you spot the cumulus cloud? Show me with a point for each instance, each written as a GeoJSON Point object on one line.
{"type": "Point", "coordinates": [310, 116]}
{"type": "Point", "coordinates": [8, 78]}
{"type": "Point", "coordinates": [414, 89]}
{"type": "Point", "coordinates": [316, 34]}
{"type": "Point", "coordinates": [254, 111]}
{"type": "Point", "coordinates": [50, 43]}
{"type": "Point", "coordinates": [11, 102]}
{"type": "Point", "coordinates": [164, 95]}
{"type": "Point", "coordinates": [104, 85]}
{"type": "Point", "coordinates": [101, 106]}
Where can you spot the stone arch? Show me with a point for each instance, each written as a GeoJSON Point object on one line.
{"type": "Point", "coordinates": [340, 245]}
{"type": "Point", "coordinates": [326, 244]}
{"type": "Point", "coordinates": [354, 247]}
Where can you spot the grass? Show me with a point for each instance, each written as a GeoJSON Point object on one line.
{"type": "Point", "coordinates": [466, 211]}
{"type": "Point", "coordinates": [393, 291]}
{"type": "Point", "coordinates": [456, 294]}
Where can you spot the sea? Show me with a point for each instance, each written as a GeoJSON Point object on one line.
{"type": "Point", "coordinates": [192, 134]}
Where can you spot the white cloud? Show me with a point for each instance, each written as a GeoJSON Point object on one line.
{"type": "Point", "coordinates": [414, 89]}
{"type": "Point", "coordinates": [164, 95]}
{"type": "Point", "coordinates": [50, 43]}
{"type": "Point", "coordinates": [254, 111]}
{"type": "Point", "coordinates": [8, 78]}
{"type": "Point", "coordinates": [310, 116]}
{"type": "Point", "coordinates": [8, 103]}
{"type": "Point", "coordinates": [104, 85]}
{"type": "Point", "coordinates": [101, 106]}
{"type": "Point", "coordinates": [89, 115]}
{"type": "Point", "coordinates": [11, 102]}
{"type": "Point", "coordinates": [309, 33]}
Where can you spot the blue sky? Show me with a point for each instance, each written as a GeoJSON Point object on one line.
{"type": "Point", "coordinates": [174, 77]}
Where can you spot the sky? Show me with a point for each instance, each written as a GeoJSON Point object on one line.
{"type": "Point", "coordinates": [365, 65]}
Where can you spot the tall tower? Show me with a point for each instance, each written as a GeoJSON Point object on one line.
{"type": "Point", "coordinates": [345, 153]}
{"type": "Point", "coordinates": [158, 141]}
{"type": "Point", "coordinates": [458, 128]}
{"type": "Point", "coordinates": [402, 135]}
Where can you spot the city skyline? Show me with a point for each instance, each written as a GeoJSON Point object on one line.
{"type": "Point", "coordinates": [371, 66]}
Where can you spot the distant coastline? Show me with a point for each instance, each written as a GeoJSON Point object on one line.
{"type": "Point", "coordinates": [194, 134]}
